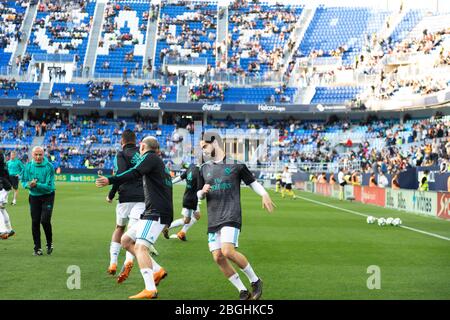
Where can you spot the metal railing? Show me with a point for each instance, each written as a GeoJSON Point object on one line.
{"type": "Point", "coordinates": [56, 58]}
{"type": "Point", "coordinates": [318, 167]}
{"type": "Point", "coordinates": [321, 61]}
{"type": "Point", "coordinates": [185, 61]}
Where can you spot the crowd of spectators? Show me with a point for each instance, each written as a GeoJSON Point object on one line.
{"type": "Point", "coordinates": [389, 82]}
{"type": "Point", "coordinates": [208, 92]}
{"type": "Point", "coordinates": [188, 43]}
{"type": "Point", "coordinates": [60, 22]}
{"type": "Point", "coordinates": [427, 143]}
{"type": "Point", "coordinates": [420, 143]}
{"type": "Point", "coordinates": [278, 23]}
{"type": "Point", "coordinates": [10, 23]}
{"type": "Point", "coordinates": [105, 90]}
{"type": "Point", "coordinates": [116, 38]}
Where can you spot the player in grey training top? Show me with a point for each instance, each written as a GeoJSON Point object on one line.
{"type": "Point", "coordinates": [219, 182]}
{"type": "Point", "coordinates": [224, 205]}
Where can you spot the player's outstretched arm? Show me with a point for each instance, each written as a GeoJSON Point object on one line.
{"type": "Point", "coordinates": [145, 166]}
{"type": "Point", "coordinates": [101, 181]}
{"type": "Point", "coordinates": [267, 202]}
{"type": "Point", "coordinates": [177, 179]}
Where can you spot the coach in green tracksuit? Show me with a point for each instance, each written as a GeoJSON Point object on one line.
{"type": "Point", "coordinates": [39, 178]}
{"type": "Point", "coordinates": [15, 168]}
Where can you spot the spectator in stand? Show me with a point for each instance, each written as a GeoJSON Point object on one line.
{"type": "Point", "coordinates": [382, 180]}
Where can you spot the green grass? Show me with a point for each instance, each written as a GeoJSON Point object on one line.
{"type": "Point", "coordinates": [302, 251]}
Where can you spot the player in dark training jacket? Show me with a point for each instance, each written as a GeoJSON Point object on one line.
{"type": "Point", "coordinates": [157, 215]}
{"type": "Point", "coordinates": [191, 208]}
{"type": "Point", "coordinates": [131, 203]}
{"type": "Point", "coordinates": [4, 175]}
{"type": "Point", "coordinates": [5, 186]}
{"type": "Point", "coordinates": [220, 181]}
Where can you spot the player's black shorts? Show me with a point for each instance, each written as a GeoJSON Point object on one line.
{"type": "Point", "coordinates": [5, 183]}
{"type": "Point", "coordinates": [288, 186]}
{"type": "Point", "coordinates": [283, 184]}
{"type": "Point", "coordinates": [190, 204]}
{"type": "Point", "coordinates": [14, 182]}
{"type": "Point", "coordinates": [278, 181]}
{"type": "Point", "coordinates": [343, 183]}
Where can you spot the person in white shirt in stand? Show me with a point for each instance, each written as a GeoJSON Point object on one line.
{"type": "Point", "coordinates": [382, 180]}
{"type": "Point", "coordinates": [342, 183]}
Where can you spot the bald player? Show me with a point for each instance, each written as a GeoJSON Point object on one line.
{"type": "Point", "coordinates": [158, 212]}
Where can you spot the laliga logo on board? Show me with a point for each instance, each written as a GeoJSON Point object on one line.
{"type": "Point", "coordinates": [212, 107]}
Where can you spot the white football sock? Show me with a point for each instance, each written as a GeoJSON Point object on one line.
{"type": "Point", "coordinates": [156, 266]}
{"type": "Point", "coordinates": [114, 251]}
{"type": "Point", "coordinates": [176, 223]}
{"type": "Point", "coordinates": [129, 257]}
{"type": "Point", "coordinates": [6, 220]}
{"type": "Point", "coordinates": [251, 275]}
{"type": "Point", "coordinates": [236, 281]}
{"type": "Point", "coordinates": [190, 224]}
{"type": "Point", "coordinates": [147, 274]}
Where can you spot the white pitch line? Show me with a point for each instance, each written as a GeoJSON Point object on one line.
{"type": "Point", "coordinates": [365, 215]}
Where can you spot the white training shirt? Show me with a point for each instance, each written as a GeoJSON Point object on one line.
{"type": "Point", "coordinates": [382, 181]}
{"type": "Point", "coordinates": [341, 177]}
{"type": "Point", "coordinates": [287, 177]}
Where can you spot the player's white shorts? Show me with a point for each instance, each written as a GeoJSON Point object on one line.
{"type": "Point", "coordinates": [145, 232]}
{"type": "Point", "coordinates": [224, 235]}
{"type": "Point", "coordinates": [3, 197]}
{"type": "Point", "coordinates": [128, 210]}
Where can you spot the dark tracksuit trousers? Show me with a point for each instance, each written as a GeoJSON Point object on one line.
{"type": "Point", "coordinates": [41, 208]}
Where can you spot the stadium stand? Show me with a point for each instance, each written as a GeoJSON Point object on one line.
{"type": "Point", "coordinates": [335, 95]}
{"type": "Point", "coordinates": [62, 28]}
{"type": "Point", "coordinates": [12, 89]}
{"type": "Point", "coordinates": [107, 91]}
{"type": "Point", "coordinates": [258, 35]}
{"type": "Point", "coordinates": [11, 18]}
{"type": "Point", "coordinates": [187, 31]}
{"type": "Point", "coordinates": [211, 92]}
{"type": "Point", "coordinates": [122, 45]}
{"type": "Point", "coordinates": [336, 31]}
{"type": "Point", "coordinates": [409, 21]}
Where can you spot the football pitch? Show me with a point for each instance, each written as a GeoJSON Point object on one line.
{"type": "Point", "coordinates": [304, 250]}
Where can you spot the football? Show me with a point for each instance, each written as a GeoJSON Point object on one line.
{"type": "Point", "coordinates": [371, 219]}
{"type": "Point", "coordinates": [381, 221]}
{"type": "Point", "coordinates": [397, 222]}
{"type": "Point", "coordinates": [389, 221]}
